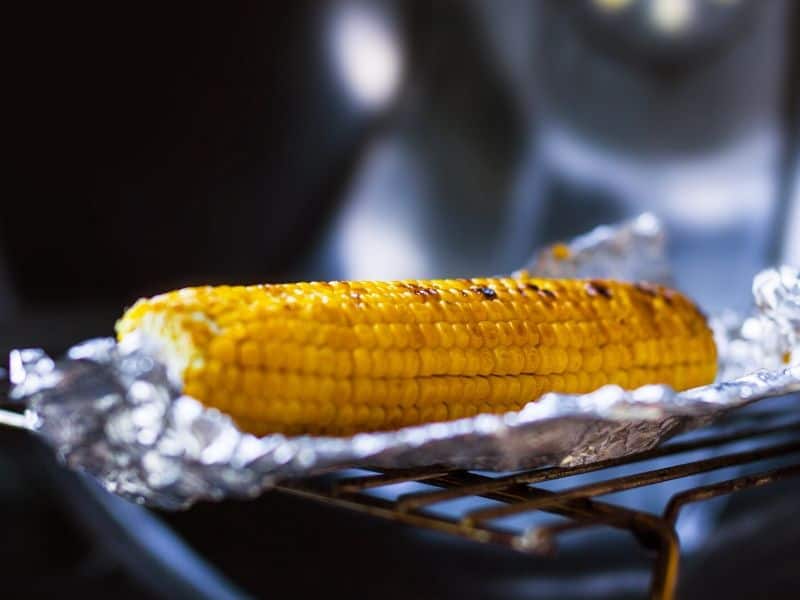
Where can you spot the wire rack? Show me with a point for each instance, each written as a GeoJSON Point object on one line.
{"type": "Point", "coordinates": [767, 440]}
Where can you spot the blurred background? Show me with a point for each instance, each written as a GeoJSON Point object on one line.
{"type": "Point", "coordinates": [170, 145]}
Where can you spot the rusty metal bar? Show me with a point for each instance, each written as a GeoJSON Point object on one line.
{"type": "Point", "coordinates": [544, 536]}
{"type": "Point", "coordinates": [388, 477]}
{"type": "Point", "coordinates": [657, 531]}
{"type": "Point", "coordinates": [583, 509]}
{"type": "Point", "coordinates": [637, 480]}
{"type": "Point", "coordinates": [722, 488]}
{"type": "Point", "coordinates": [665, 569]}
{"type": "Point", "coordinates": [384, 508]}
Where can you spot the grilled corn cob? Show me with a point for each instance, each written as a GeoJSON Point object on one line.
{"type": "Point", "coordinates": [342, 357]}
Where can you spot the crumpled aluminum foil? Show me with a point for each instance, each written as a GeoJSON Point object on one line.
{"type": "Point", "coordinates": [634, 250]}
{"type": "Point", "coordinates": [113, 410]}
{"type": "Point", "coordinates": [770, 337]}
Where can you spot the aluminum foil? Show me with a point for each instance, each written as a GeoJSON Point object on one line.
{"type": "Point", "coordinates": [114, 411]}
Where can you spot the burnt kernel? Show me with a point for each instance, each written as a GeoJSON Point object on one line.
{"type": "Point", "coordinates": [598, 288]}
{"type": "Point", "coordinates": [427, 291]}
{"type": "Point", "coordinates": [487, 292]}
{"type": "Point", "coordinates": [548, 294]}
{"type": "Point", "coordinates": [534, 287]}
{"type": "Point", "coordinates": [421, 291]}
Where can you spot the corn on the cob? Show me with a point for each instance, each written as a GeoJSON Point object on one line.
{"type": "Point", "coordinates": [342, 357]}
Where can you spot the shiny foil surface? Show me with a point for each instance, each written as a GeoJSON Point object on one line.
{"type": "Point", "coordinates": [114, 411]}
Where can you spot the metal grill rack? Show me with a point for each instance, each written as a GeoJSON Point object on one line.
{"type": "Point", "coordinates": [772, 453]}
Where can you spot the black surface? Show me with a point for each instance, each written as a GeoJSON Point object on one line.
{"type": "Point", "coordinates": [44, 550]}
{"type": "Point", "coordinates": [289, 546]}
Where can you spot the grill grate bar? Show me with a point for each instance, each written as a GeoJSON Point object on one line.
{"type": "Point", "coordinates": [707, 492]}
{"type": "Point", "coordinates": [355, 484]}
{"type": "Point", "coordinates": [628, 482]}
{"type": "Point", "coordinates": [580, 504]}
{"type": "Point", "coordinates": [380, 507]}
{"type": "Point", "coordinates": [583, 509]}
{"type": "Point", "coordinates": [545, 536]}
{"type": "Point", "coordinates": [417, 500]}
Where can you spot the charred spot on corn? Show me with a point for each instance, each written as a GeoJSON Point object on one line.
{"type": "Point", "coordinates": [486, 292]}
{"type": "Point", "coordinates": [598, 288]}
{"type": "Point", "coordinates": [336, 358]}
{"type": "Point", "coordinates": [549, 294]}
{"type": "Point", "coordinates": [423, 292]}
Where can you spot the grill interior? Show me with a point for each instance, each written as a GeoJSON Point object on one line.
{"type": "Point", "coordinates": [533, 511]}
